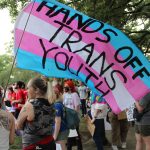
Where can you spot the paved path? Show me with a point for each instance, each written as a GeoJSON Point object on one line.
{"type": "Point", "coordinates": [87, 140]}
{"type": "Point", "coordinates": [88, 143]}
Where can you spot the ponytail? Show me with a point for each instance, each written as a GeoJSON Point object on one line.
{"type": "Point", "coordinates": [51, 93]}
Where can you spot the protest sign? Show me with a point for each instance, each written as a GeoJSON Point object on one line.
{"type": "Point", "coordinates": [129, 113]}
{"type": "Point", "coordinates": [58, 41]}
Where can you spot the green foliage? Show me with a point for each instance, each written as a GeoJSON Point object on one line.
{"type": "Point", "coordinates": [17, 75]}
{"type": "Point", "coordinates": [22, 75]}
{"type": "Point", "coordinates": [14, 6]}
{"type": "Point", "coordinates": [17, 144]}
{"type": "Point", "coordinates": [130, 16]}
{"type": "Point", "coordinates": [6, 62]}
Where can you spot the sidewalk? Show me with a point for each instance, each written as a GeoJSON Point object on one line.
{"type": "Point", "coordinates": [88, 143]}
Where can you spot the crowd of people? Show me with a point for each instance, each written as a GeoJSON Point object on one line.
{"type": "Point", "coordinates": [36, 111]}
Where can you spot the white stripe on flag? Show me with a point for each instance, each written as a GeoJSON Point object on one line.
{"type": "Point", "coordinates": [45, 30]}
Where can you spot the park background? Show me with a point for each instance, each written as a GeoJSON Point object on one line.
{"type": "Point", "coordinates": [130, 16]}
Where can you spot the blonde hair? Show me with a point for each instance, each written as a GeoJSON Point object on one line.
{"type": "Point", "coordinates": [52, 95]}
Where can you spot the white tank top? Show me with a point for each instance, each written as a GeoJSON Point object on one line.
{"type": "Point", "coordinates": [4, 135]}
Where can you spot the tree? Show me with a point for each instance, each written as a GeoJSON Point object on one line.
{"type": "Point", "coordinates": [130, 16]}
{"type": "Point", "coordinates": [14, 6]}
{"type": "Point", "coordinates": [6, 62]}
{"type": "Point", "coordinates": [4, 65]}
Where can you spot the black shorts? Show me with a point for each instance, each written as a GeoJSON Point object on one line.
{"type": "Point", "coordinates": [144, 130]}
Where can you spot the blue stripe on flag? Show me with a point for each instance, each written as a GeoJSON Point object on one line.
{"type": "Point", "coordinates": [116, 41]}
{"type": "Point", "coordinates": [25, 61]}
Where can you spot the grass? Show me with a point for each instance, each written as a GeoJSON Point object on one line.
{"type": "Point", "coordinates": [85, 137]}
{"type": "Point", "coordinates": [87, 141]}
{"type": "Point", "coordinates": [17, 145]}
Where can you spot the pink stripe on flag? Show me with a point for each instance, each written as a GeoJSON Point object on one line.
{"type": "Point", "coordinates": [41, 15]}
{"type": "Point", "coordinates": [30, 47]}
{"type": "Point", "coordinates": [113, 104]}
{"type": "Point", "coordinates": [108, 48]}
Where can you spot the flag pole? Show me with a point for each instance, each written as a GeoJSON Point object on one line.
{"type": "Point", "coordinates": [17, 51]}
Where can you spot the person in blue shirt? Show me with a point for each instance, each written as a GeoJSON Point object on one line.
{"type": "Point", "coordinates": [61, 131]}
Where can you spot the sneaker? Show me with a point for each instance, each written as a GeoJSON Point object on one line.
{"type": "Point", "coordinates": [114, 147]}
{"type": "Point", "coordinates": [124, 145]}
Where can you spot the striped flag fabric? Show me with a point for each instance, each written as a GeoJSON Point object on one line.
{"type": "Point", "coordinates": [58, 41]}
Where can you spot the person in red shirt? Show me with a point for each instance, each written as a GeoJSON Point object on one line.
{"type": "Point", "coordinates": [11, 94]}
{"type": "Point", "coordinates": [9, 97]}
{"type": "Point", "coordinates": [24, 91]}
{"type": "Point", "coordinates": [19, 98]}
{"type": "Point", "coordinates": [25, 95]}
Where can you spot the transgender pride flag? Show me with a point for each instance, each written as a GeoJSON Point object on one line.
{"type": "Point", "coordinates": [58, 41]}
{"type": "Point", "coordinates": [97, 99]}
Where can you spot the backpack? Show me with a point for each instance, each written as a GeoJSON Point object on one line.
{"type": "Point", "coordinates": [138, 115]}
{"type": "Point", "coordinates": [72, 119]}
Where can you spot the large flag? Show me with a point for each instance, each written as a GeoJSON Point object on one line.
{"type": "Point", "coordinates": [58, 41]}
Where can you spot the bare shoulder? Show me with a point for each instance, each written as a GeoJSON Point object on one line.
{"type": "Point", "coordinates": [11, 117]}
{"type": "Point", "coordinates": [5, 114]}
{"type": "Point", "coordinates": [7, 119]}
{"type": "Point", "coordinates": [28, 106]}
{"type": "Point", "coordinates": [25, 114]}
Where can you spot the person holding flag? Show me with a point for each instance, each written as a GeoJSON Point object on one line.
{"type": "Point", "coordinates": [98, 112]}
{"type": "Point", "coordinates": [142, 126]}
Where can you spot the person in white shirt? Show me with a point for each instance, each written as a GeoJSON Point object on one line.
{"type": "Point", "coordinates": [72, 100]}
{"type": "Point", "coordinates": [82, 90]}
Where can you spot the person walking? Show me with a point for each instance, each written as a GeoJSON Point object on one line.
{"type": "Point", "coordinates": [98, 112]}
{"type": "Point", "coordinates": [142, 127]}
{"type": "Point", "coordinates": [36, 118]}
{"type": "Point", "coordinates": [120, 127]}
{"type": "Point", "coordinates": [82, 90]}
{"type": "Point", "coordinates": [72, 101]}
{"type": "Point", "coordinates": [61, 131]}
